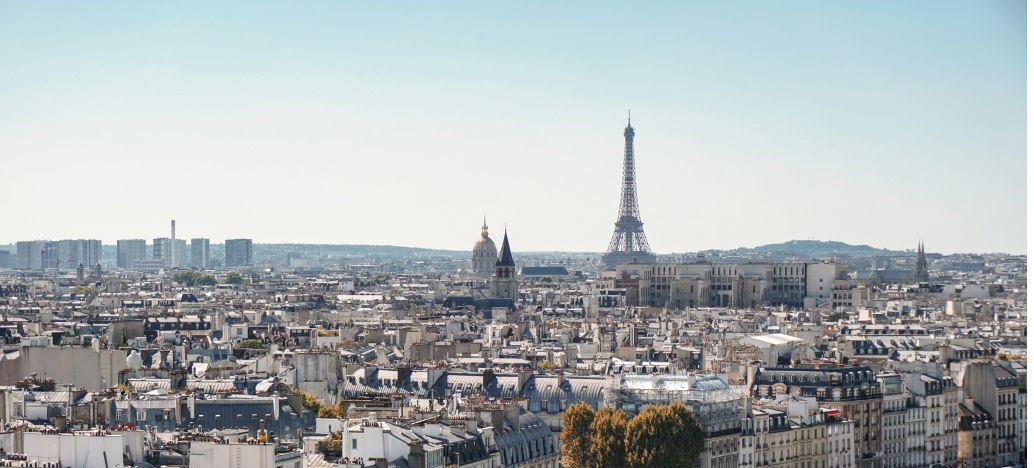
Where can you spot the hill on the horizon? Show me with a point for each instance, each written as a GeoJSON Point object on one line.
{"type": "Point", "coordinates": [816, 248]}
{"type": "Point", "coordinates": [804, 248]}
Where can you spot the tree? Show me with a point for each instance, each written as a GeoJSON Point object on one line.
{"type": "Point", "coordinates": [234, 278]}
{"type": "Point", "coordinates": [311, 403]}
{"type": "Point", "coordinates": [574, 437]}
{"type": "Point", "coordinates": [82, 290]}
{"type": "Point", "coordinates": [546, 365]}
{"type": "Point", "coordinates": [205, 280]}
{"type": "Point", "coordinates": [193, 278]}
{"type": "Point", "coordinates": [689, 436]}
{"type": "Point", "coordinates": [321, 410]}
{"type": "Point", "coordinates": [328, 412]}
{"type": "Point", "coordinates": [644, 437]}
{"type": "Point", "coordinates": [663, 436]}
{"type": "Point", "coordinates": [607, 439]}
{"type": "Point", "coordinates": [185, 278]}
{"type": "Point", "coordinates": [837, 316]}
{"type": "Point", "coordinates": [252, 343]}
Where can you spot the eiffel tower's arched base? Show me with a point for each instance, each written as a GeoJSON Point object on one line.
{"type": "Point", "coordinates": [612, 259]}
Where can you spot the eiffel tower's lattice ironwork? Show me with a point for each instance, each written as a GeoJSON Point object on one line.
{"type": "Point", "coordinates": [628, 244]}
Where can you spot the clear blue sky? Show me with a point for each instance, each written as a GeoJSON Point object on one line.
{"type": "Point", "coordinates": [403, 123]}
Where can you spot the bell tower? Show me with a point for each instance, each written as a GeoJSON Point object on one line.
{"type": "Point", "coordinates": [504, 283]}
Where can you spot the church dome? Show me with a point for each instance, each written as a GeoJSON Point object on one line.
{"type": "Point", "coordinates": [485, 246]}
{"type": "Point", "coordinates": [484, 253]}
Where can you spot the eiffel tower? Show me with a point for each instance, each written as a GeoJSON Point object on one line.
{"type": "Point", "coordinates": [628, 245]}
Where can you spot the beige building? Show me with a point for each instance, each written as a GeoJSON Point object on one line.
{"type": "Point", "coordinates": [895, 429]}
{"type": "Point", "coordinates": [849, 293]}
{"type": "Point", "coordinates": [791, 432]}
{"type": "Point", "coordinates": [977, 445]}
{"type": "Point", "coordinates": [747, 285]}
{"type": "Point", "coordinates": [996, 388]}
{"type": "Point", "coordinates": [940, 398]}
{"type": "Point", "coordinates": [852, 391]}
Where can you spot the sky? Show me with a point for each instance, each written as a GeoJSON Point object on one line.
{"type": "Point", "coordinates": [404, 123]}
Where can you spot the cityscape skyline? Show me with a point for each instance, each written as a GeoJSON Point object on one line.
{"type": "Point", "coordinates": [880, 130]}
{"type": "Point", "coordinates": [362, 235]}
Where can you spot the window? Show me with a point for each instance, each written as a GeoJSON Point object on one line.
{"type": "Point", "coordinates": [355, 444]}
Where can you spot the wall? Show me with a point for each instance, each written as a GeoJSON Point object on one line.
{"type": "Point", "coordinates": [78, 450]}
{"type": "Point", "coordinates": [85, 367]}
{"type": "Point", "coordinates": [212, 455]}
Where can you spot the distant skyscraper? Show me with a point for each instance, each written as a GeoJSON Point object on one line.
{"type": "Point", "coordinates": [484, 257]}
{"type": "Point", "coordinates": [628, 244]}
{"type": "Point", "coordinates": [92, 251]}
{"type": "Point", "coordinates": [199, 253]}
{"type": "Point", "coordinates": [179, 253]}
{"type": "Point", "coordinates": [238, 252]}
{"type": "Point", "coordinates": [28, 254]}
{"type": "Point", "coordinates": [72, 252]}
{"type": "Point", "coordinates": [37, 255]}
{"type": "Point", "coordinates": [922, 273]}
{"type": "Point", "coordinates": [128, 251]}
{"type": "Point", "coordinates": [161, 249]}
{"type": "Point", "coordinates": [504, 283]}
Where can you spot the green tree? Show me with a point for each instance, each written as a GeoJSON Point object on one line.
{"type": "Point", "coordinates": [546, 365]}
{"type": "Point", "coordinates": [663, 436]}
{"type": "Point", "coordinates": [835, 316]}
{"type": "Point", "coordinates": [607, 439]}
{"type": "Point", "coordinates": [185, 278]}
{"type": "Point", "coordinates": [688, 435]}
{"type": "Point", "coordinates": [205, 280]}
{"type": "Point", "coordinates": [234, 278]}
{"type": "Point", "coordinates": [574, 435]}
{"type": "Point", "coordinates": [193, 278]}
{"type": "Point", "coordinates": [252, 343]}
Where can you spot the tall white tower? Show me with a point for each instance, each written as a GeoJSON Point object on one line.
{"type": "Point", "coordinates": [172, 248]}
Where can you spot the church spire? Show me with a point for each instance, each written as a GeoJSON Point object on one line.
{"type": "Point", "coordinates": [505, 257]}
{"type": "Point", "coordinates": [922, 273]}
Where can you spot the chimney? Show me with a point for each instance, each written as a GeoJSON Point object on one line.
{"type": "Point", "coordinates": [487, 376]}
{"type": "Point", "coordinates": [512, 413]}
{"type": "Point", "coordinates": [497, 419]}
{"type": "Point", "coordinates": [752, 372]}
{"type": "Point", "coordinates": [522, 379]}
{"type": "Point", "coordinates": [417, 458]}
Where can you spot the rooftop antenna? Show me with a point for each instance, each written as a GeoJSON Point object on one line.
{"type": "Point", "coordinates": [630, 117]}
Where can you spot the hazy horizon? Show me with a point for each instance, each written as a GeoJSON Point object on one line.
{"type": "Point", "coordinates": [217, 242]}
{"type": "Point", "coordinates": [381, 124]}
